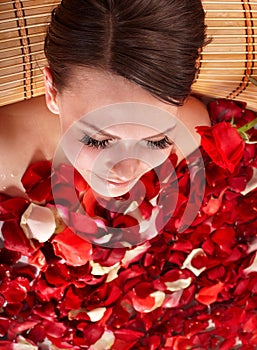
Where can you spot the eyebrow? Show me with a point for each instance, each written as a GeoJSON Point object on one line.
{"type": "Point", "coordinates": [93, 127]}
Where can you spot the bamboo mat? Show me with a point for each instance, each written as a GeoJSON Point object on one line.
{"type": "Point", "coordinates": [224, 65]}
{"type": "Point", "coordinates": [230, 59]}
{"type": "Point", "coordinates": [22, 30]}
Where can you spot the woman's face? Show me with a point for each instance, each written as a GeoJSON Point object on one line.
{"type": "Point", "coordinates": [113, 131]}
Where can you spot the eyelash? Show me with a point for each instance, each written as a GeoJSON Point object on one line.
{"type": "Point", "coordinates": [161, 144]}
{"type": "Point", "coordinates": [91, 142]}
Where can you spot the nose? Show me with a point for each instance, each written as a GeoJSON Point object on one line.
{"type": "Point", "coordinates": [128, 169]}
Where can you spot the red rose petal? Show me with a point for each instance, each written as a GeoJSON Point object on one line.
{"type": "Point", "coordinates": [106, 296]}
{"type": "Point", "coordinates": [225, 238]}
{"type": "Point", "coordinates": [45, 292]}
{"type": "Point", "coordinates": [2, 301]}
{"type": "Point", "coordinates": [92, 333]}
{"type": "Point", "coordinates": [80, 183]}
{"type": "Point", "coordinates": [71, 300]}
{"type": "Point", "coordinates": [45, 311]}
{"type": "Point", "coordinates": [125, 339]}
{"type": "Point", "coordinates": [35, 173]}
{"type": "Point", "coordinates": [213, 205]}
{"type": "Point", "coordinates": [57, 275]}
{"type": "Point", "coordinates": [37, 258]}
{"type": "Point", "coordinates": [55, 329]}
{"type": "Point", "coordinates": [36, 181]}
{"type": "Point", "coordinates": [6, 345]}
{"type": "Point", "coordinates": [143, 304]}
{"type": "Point", "coordinates": [13, 291]}
{"type": "Point", "coordinates": [15, 238]}
{"type": "Point", "coordinates": [12, 208]}
{"type": "Point", "coordinates": [41, 192]}
{"type": "Point", "coordinates": [82, 223]}
{"type": "Point", "coordinates": [73, 249]}
{"type": "Point", "coordinates": [13, 309]}
{"type": "Point", "coordinates": [24, 270]}
{"type": "Point", "coordinates": [144, 289]}
{"type": "Point", "coordinates": [225, 110]}
{"type": "Point", "coordinates": [124, 221]}
{"type": "Point", "coordinates": [4, 325]}
{"type": "Point", "coordinates": [60, 343]}
{"type": "Point", "coordinates": [106, 256]}
{"type": "Point", "coordinates": [19, 327]}
{"type": "Point", "coordinates": [146, 209]}
{"type": "Point", "coordinates": [151, 184]}
{"type": "Point", "coordinates": [89, 203]}
{"type": "Point", "coordinates": [9, 257]}
{"type": "Point", "coordinates": [209, 295]}
{"type": "Point", "coordinates": [223, 144]}
{"type": "Point", "coordinates": [37, 334]}
{"type": "Point", "coordinates": [65, 195]}
{"type": "Point", "coordinates": [250, 324]}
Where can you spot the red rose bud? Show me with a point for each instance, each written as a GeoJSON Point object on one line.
{"type": "Point", "coordinates": [225, 110]}
{"type": "Point", "coordinates": [223, 144]}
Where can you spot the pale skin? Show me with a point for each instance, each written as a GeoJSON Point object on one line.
{"type": "Point", "coordinates": [33, 132]}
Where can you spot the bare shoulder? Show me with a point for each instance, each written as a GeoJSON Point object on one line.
{"type": "Point", "coordinates": [192, 114]}
{"type": "Point", "coordinates": [28, 133]}
{"type": "Point", "coordinates": [195, 111]}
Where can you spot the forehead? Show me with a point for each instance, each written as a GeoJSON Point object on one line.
{"type": "Point", "coordinates": [90, 89]}
{"type": "Point", "coordinates": [129, 119]}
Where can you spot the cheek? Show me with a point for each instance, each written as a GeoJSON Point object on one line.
{"type": "Point", "coordinates": [162, 155]}
{"type": "Point", "coordinates": [166, 151]}
{"type": "Point", "coordinates": [85, 161]}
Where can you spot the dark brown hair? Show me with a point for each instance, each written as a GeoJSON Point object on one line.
{"type": "Point", "coordinates": [154, 43]}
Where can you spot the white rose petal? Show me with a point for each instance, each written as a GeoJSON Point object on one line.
{"type": "Point", "coordinates": [253, 266]}
{"type": "Point", "coordinates": [113, 274]}
{"type": "Point", "coordinates": [211, 325]}
{"type": "Point", "coordinates": [173, 299]}
{"type": "Point", "coordinates": [23, 344]}
{"type": "Point", "coordinates": [96, 314]}
{"type": "Point", "coordinates": [98, 270]}
{"type": "Point", "coordinates": [133, 206]}
{"type": "Point", "coordinates": [251, 185]}
{"type": "Point", "coordinates": [148, 228]}
{"type": "Point", "coordinates": [103, 240]}
{"type": "Point", "coordinates": [253, 246]}
{"type": "Point", "coordinates": [38, 222]}
{"type": "Point", "coordinates": [133, 253]}
{"type": "Point", "coordinates": [187, 263]}
{"type": "Point", "coordinates": [159, 297]}
{"type": "Point", "coordinates": [139, 304]}
{"type": "Point", "coordinates": [105, 342]}
{"type": "Point", "coordinates": [178, 285]}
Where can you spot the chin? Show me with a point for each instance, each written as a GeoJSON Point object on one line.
{"type": "Point", "coordinates": [106, 188]}
{"type": "Point", "coordinates": [118, 190]}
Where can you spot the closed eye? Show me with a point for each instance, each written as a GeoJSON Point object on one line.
{"type": "Point", "coordinates": [91, 142]}
{"type": "Point", "coordinates": [102, 144]}
{"type": "Point", "coordinates": [160, 144]}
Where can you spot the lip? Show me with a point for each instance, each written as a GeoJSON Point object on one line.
{"type": "Point", "coordinates": [119, 183]}
{"type": "Point", "coordinates": [115, 182]}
